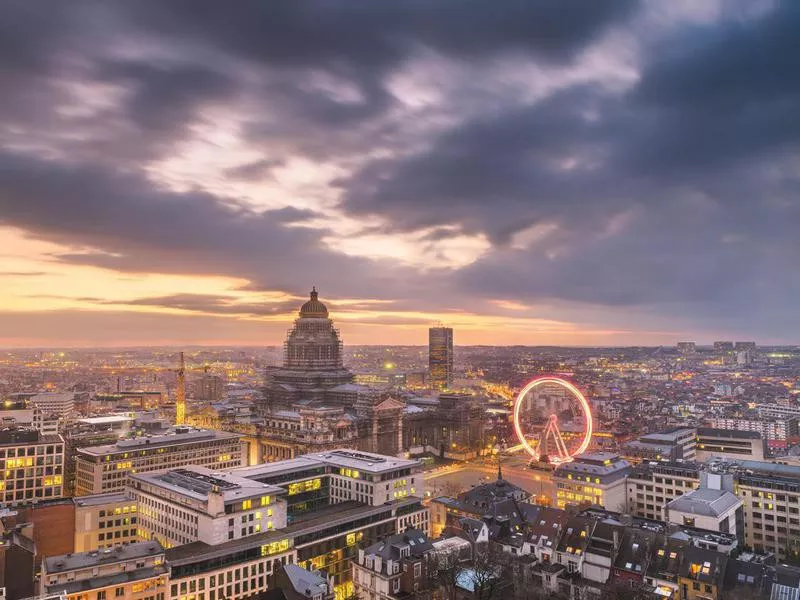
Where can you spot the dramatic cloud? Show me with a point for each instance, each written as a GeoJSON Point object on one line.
{"type": "Point", "coordinates": [556, 167]}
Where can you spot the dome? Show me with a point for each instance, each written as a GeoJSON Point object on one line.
{"type": "Point", "coordinates": [314, 308]}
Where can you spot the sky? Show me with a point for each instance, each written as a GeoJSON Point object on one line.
{"type": "Point", "coordinates": [541, 172]}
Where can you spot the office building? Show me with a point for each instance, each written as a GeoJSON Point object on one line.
{"type": "Point", "coordinates": [723, 347]}
{"type": "Point", "coordinates": [651, 486]}
{"type": "Point", "coordinates": [327, 539]}
{"type": "Point", "coordinates": [440, 357]}
{"type": "Point", "coordinates": [592, 479]}
{"type": "Point", "coordinates": [687, 348]}
{"type": "Point", "coordinates": [132, 572]}
{"type": "Point", "coordinates": [33, 466]}
{"type": "Point", "coordinates": [673, 444]}
{"type": "Point", "coordinates": [729, 443]}
{"type": "Point", "coordinates": [60, 404]}
{"type": "Point", "coordinates": [104, 521]}
{"type": "Point", "coordinates": [104, 469]}
{"type": "Point", "coordinates": [315, 480]}
{"type": "Point", "coordinates": [194, 503]}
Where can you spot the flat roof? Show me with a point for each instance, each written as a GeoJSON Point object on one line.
{"type": "Point", "coordinates": [101, 499]}
{"type": "Point", "coordinates": [166, 439]}
{"type": "Point", "coordinates": [280, 467]}
{"type": "Point", "coordinates": [363, 461]}
{"type": "Point", "coordinates": [105, 420]}
{"type": "Point", "coordinates": [82, 560]}
{"type": "Point", "coordinates": [728, 433]}
{"type": "Point", "coordinates": [198, 482]}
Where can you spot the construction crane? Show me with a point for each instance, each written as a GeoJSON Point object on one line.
{"type": "Point", "coordinates": [180, 394]}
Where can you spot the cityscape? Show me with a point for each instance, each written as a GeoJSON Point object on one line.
{"type": "Point", "coordinates": [396, 300]}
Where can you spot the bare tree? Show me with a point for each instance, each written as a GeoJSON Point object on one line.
{"type": "Point", "coordinates": [444, 572]}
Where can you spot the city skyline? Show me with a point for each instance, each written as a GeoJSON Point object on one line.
{"type": "Point", "coordinates": [561, 174]}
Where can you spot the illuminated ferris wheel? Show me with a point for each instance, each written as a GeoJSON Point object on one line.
{"type": "Point", "coordinates": [552, 419]}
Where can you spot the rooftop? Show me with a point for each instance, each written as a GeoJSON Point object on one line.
{"type": "Point", "coordinates": [106, 420]}
{"type": "Point", "coordinates": [363, 461]}
{"type": "Point", "coordinates": [199, 482]}
{"type": "Point", "coordinates": [706, 502]}
{"type": "Point", "coordinates": [727, 433]}
{"type": "Point", "coordinates": [100, 499]}
{"type": "Point", "coordinates": [178, 436]}
{"type": "Point", "coordinates": [82, 560]}
{"type": "Point", "coordinates": [306, 583]}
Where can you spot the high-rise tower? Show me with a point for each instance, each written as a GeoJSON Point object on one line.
{"type": "Point", "coordinates": [440, 357]}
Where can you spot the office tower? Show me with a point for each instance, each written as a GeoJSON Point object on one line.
{"type": "Point", "coordinates": [34, 466]}
{"type": "Point", "coordinates": [723, 346]}
{"type": "Point", "coordinates": [55, 403]}
{"type": "Point", "coordinates": [102, 469]}
{"type": "Point", "coordinates": [104, 521]}
{"type": "Point", "coordinates": [440, 357]}
{"type": "Point", "coordinates": [686, 348]}
{"type": "Point", "coordinates": [197, 504]}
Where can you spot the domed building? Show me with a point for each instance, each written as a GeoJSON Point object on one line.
{"type": "Point", "coordinates": [312, 360]}
{"type": "Point", "coordinates": [312, 396]}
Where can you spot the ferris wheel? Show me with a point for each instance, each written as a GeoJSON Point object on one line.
{"type": "Point", "coordinates": [537, 423]}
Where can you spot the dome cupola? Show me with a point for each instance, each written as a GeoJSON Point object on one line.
{"type": "Point", "coordinates": [314, 308]}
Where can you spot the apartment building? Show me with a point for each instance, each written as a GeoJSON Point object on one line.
{"type": "Point", "coordinates": [775, 431]}
{"type": "Point", "coordinates": [104, 521]}
{"type": "Point", "coordinates": [132, 572]}
{"type": "Point", "coordinates": [597, 479]}
{"type": "Point", "coordinates": [32, 466]}
{"type": "Point", "coordinates": [771, 496]}
{"type": "Point", "coordinates": [104, 469]}
{"type": "Point", "coordinates": [653, 485]}
{"type": "Point", "coordinates": [194, 503]}
{"type": "Point", "coordinates": [392, 568]}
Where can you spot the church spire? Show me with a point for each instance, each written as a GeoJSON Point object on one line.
{"type": "Point", "coordinates": [499, 471]}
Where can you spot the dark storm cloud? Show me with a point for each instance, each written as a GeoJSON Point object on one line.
{"type": "Point", "coordinates": [123, 221]}
{"type": "Point", "coordinates": [256, 170]}
{"type": "Point", "coordinates": [131, 224]}
{"type": "Point", "coordinates": [377, 35]}
{"type": "Point", "coordinates": [162, 99]}
{"type": "Point", "coordinates": [214, 304]}
{"type": "Point", "coordinates": [679, 194]}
